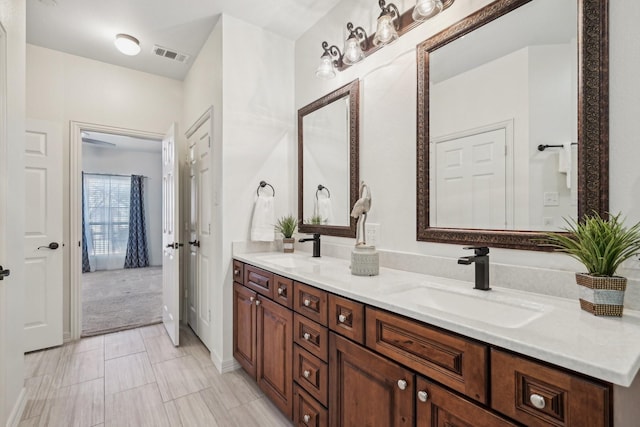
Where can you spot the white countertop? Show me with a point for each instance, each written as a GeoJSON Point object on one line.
{"type": "Point", "coordinates": [547, 328]}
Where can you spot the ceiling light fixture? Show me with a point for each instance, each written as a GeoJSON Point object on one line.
{"type": "Point", "coordinates": [388, 24]}
{"type": "Point", "coordinates": [354, 45]}
{"type": "Point", "coordinates": [127, 44]}
{"type": "Point", "coordinates": [329, 61]}
{"type": "Point", "coordinates": [427, 9]}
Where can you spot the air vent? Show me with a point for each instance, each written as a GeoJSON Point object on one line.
{"type": "Point", "coordinates": [170, 54]}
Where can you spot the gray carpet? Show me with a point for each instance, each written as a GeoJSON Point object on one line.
{"type": "Point", "coordinates": [115, 300]}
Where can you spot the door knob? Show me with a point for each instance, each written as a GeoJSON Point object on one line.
{"type": "Point", "coordinates": [423, 396]}
{"type": "Point", "coordinates": [53, 246]}
{"type": "Point", "coordinates": [4, 273]}
{"type": "Point", "coordinates": [175, 245]}
{"type": "Point", "coordinates": [402, 384]}
{"type": "Point", "coordinates": [195, 243]}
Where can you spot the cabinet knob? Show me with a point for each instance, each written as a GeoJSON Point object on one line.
{"type": "Point", "coordinates": [307, 302]}
{"type": "Point", "coordinates": [306, 336]}
{"type": "Point", "coordinates": [306, 418]}
{"type": "Point", "coordinates": [342, 318]}
{"type": "Point", "coordinates": [257, 303]}
{"type": "Point", "coordinates": [402, 384]}
{"type": "Point", "coordinates": [306, 373]}
{"type": "Point", "coordinates": [537, 401]}
{"type": "Point", "coordinates": [236, 272]}
{"type": "Point", "coordinates": [280, 291]}
{"type": "Point", "coordinates": [423, 396]}
{"type": "Point", "coordinates": [252, 299]}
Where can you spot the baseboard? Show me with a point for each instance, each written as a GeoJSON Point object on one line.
{"type": "Point", "coordinates": [224, 366]}
{"type": "Point", "coordinates": [18, 409]}
{"type": "Point", "coordinates": [66, 337]}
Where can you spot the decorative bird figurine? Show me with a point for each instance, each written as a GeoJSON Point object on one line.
{"type": "Point", "coordinates": [360, 210]}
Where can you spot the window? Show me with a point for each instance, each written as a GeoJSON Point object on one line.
{"type": "Point", "coordinates": [107, 213]}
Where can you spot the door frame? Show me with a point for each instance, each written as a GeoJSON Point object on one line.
{"type": "Point", "coordinates": [75, 210]}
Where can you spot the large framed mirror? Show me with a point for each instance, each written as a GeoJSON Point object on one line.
{"type": "Point", "coordinates": [512, 123]}
{"type": "Point", "coordinates": [328, 162]}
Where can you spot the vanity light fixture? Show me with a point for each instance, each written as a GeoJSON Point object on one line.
{"type": "Point", "coordinates": [329, 61]}
{"type": "Point", "coordinates": [127, 44]}
{"type": "Point", "coordinates": [388, 24]}
{"type": "Point", "coordinates": [354, 45]}
{"type": "Point", "coordinates": [427, 9]}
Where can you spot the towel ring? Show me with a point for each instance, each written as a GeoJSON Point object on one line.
{"type": "Point", "coordinates": [320, 188]}
{"type": "Point", "coordinates": [264, 184]}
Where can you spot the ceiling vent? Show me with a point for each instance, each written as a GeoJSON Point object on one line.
{"type": "Point", "coordinates": [170, 54]}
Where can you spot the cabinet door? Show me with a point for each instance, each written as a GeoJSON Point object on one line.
{"type": "Point", "coordinates": [437, 406]}
{"type": "Point", "coordinates": [275, 353]}
{"type": "Point", "coordinates": [244, 328]}
{"type": "Point", "coordinates": [367, 389]}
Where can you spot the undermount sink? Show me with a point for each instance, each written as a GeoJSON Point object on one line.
{"type": "Point", "coordinates": [497, 310]}
{"type": "Point", "coordinates": [291, 261]}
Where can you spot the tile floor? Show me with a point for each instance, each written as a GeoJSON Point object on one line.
{"type": "Point", "coordinates": [138, 378]}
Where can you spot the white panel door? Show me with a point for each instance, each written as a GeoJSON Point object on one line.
{"type": "Point", "coordinates": [43, 235]}
{"type": "Point", "coordinates": [200, 237]}
{"type": "Point", "coordinates": [170, 236]}
{"type": "Point", "coordinates": [471, 181]}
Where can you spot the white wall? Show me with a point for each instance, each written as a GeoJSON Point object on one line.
{"type": "Point", "coordinates": [12, 18]}
{"type": "Point", "coordinates": [251, 90]}
{"type": "Point", "coordinates": [388, 139]}
{"type": "Point", "coordinates": [129, 162]}
{"type": "Point", "coordinates": [63, 88]}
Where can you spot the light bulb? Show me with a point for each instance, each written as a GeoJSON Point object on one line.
{"type": "Point", "coordinates": [326, 70]}
{"type": "Point", "coordinates": [386, 32]}
{"type": "Point", "coordinates": [352, 51]}
{"type": "Point", "coordinates": [426, 9]}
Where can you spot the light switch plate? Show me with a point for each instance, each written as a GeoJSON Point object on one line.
{"type": "Point", "coordinates": [551, 198]}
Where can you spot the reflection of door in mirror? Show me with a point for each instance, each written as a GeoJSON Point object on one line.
{"type": "Point", "coordinates": [326, 164]}
{"type": "Point", "coordinates": [521, 68]}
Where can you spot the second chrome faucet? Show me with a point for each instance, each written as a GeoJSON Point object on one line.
{"type": "Point", "coordinates": [481, 259]}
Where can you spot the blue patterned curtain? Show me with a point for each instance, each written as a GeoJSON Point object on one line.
{"type": "Point", "coordinates": [137, 252]}
{"type": "Point", "coordinates": [86, 267]}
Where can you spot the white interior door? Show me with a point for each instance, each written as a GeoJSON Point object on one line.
{"type": "Point", "coordinates": [43, 252]}
{"type": "Point", "coordinates": [471, 181]}
{"type": "Point", "coordinates": [170, 236]}
{"type": "Point", "coordinates": [200, 236]}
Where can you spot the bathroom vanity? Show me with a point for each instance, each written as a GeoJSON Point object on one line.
{"type": "Point", "coordinates": [404, 349]}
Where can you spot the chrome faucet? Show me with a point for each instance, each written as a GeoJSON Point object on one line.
{"type": "Point", "coordinates": [481, 258]}
{"type": "Point", "coordinates": [316, 244]}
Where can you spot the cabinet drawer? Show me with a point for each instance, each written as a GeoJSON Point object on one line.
{"type": "Point", "coordinates": [454, 361]}
{"type": "Point", "coordinates": [346, 317]}
{"type": "Point", "coordinates": [307, 412]}
{"type": "Point", "coordinates": [539, 395]}
{"type": "Point", "coordinates": [311, 373]}
{"type": "Point", "coordinates": [283, 291]}
{"type": "Point", "coordinates": [311, 336]}
{"type": "Point", "coordinates": [438, 406]}
{"type": "Point", "coordinates": [238, 272]}
{"type": "Point", "coordinates": [311, 302]}
{"type": "Point", "coordinates": [259, 280]}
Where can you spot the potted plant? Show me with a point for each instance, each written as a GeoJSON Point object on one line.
{"type": "Point", "coordinates": [287, 226]}
{"type": "Point", "coordinates": [601, 245]}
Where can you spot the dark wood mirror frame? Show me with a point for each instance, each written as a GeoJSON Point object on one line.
{"type": "Point", "coordinates": [593, 123]}
{"type": "Point", "coordinates": [352, 90]}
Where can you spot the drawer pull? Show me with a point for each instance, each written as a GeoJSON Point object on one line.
{"type": "Point", "coordinates": [307, 302]}
{"type": "Point", "coordinates": [257, 303]}
{"type": "Point", "coordinates": [280, 291]}
{"type": "Point", "coordinates": [537, 401]}
{"type": "Point", "coordinates": [342, 318]}
{"type": "Point", "coordinates": [236, 272]}
{"type": "Point", "coordinates": [402, 384]}
{"type": "Point", "coordinates": [252, 299]}
{"type": "Point", "coordinates": [306, 336]}
{"type": "Point", "coordinates": [306, 418]}
{"type": "Point", "coordinates": [423, 396]}
{"type": "Point", "coordinates": [306, 373]}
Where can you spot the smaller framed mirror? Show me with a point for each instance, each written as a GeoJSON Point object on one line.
{"type": "Point", "coordinates": [328, 170]}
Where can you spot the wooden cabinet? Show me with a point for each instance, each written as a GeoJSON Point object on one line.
{"type": "Point", "coordinates": [258, 280]}
{"type": "Point", "coordinates": [238, 272]}
{"type": "Point", "coordinates": [367, 389]}
{"type": "Point", "coordinates": [274, 343]}
{"type": "Point", "coordinates": [307, 412]}
{"type": "Point", "coordinates": [456, 362]}
{"type": "Point", "coordinates": [244, 328]}
{"type": "Point", "coordinates": [346, 317]}
{"type": "Point", "coordinates": [311, 302]}
{"type": "Point", "coordinates": [311, 336]}
{"type": "Point", "coordinates": [311, 373]}
{"type": "Point", "coordinates": [283, 291]}
{"type": "Point", "coordinates": [539, 395]}
{"type": "Point", "coordinates": [436, 406]}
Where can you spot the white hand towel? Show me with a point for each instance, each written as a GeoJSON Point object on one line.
{"type": "Point", "coordinates": [324, 209]}
{"type": "Point", "coordinates": [564, 162]}
{"type": "Point", "coordinates": [262, 225]}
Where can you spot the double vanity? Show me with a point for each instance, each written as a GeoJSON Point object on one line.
{"type": "Point", "coordinates": [403, 349]}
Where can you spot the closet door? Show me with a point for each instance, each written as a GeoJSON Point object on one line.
{"type": "Point", "coordinates": [192, 257]}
